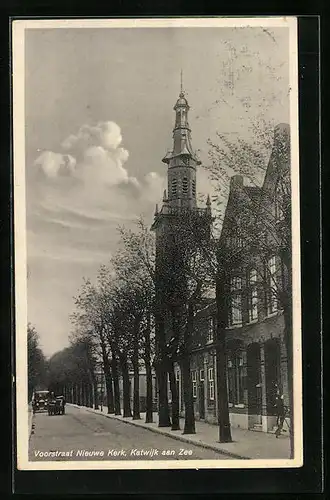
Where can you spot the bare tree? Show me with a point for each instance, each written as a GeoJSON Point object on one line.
{"type": "Point", "coordinates": [90, 319]}
{"type": "Point", "coordinates": [37, 364]}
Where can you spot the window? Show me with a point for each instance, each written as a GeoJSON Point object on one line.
{"type": "Point", "coordinates": [193, 187]}
{"type": "Point", "coordinates": [271, 296]}
{"type": "Point", "coordinates": [235, 283]}
{"type": "Point", "coordinates": [201, 375]}
{"type": "Point", "coordinates": [279, 203]}
{"type": "Point", "coordinates": [234, 242]}
{"type": "Point", "coordinates": [185, 185]}
{"type": "Point", "coordinates": [235, 311]}
{"type": "Point", "coordinates": [235, 379]}
{"type": "Point", "coordinates": [174, 187]}
{"type": "Point", "coordinates": [194, 383]}
{"type": "Point", "coordinates": [177, 375]}
{"type": "Point", "coordinates": [210, 330]}
{"type": "Point", "coordinates": [211, 384]}
{"type": "Point", "coordinates": [253, 295]}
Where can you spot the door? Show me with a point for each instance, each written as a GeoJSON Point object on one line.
{"type": "Point", "coordinates": [254, 381]}
{"type": "Point", "coordinates": [201, 393]}
{"type": "Point", "coordinates": [273, 373]}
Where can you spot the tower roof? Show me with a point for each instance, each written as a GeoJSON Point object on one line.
{"type": "Point", "coordinates": [182, 101]}
{"type": "Point", "coordinates": [181, 133]}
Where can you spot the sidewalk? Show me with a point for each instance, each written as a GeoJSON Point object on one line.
{"type": "Point", "coordinates": [246, 444]}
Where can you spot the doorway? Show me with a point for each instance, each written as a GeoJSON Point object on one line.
{"type": "Point", "coordinates": [201, 394]}
{"type": "Point", "coordinates": [273, 372]}
{"type": "Point", "coordinates": [254, 382]}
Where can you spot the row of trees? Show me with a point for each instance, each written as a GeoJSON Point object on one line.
{"type": "Point", "coordinates": [37, 362]}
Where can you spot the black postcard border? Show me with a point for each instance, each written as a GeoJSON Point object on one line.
{"type": "Point", "coordinates": [309, 478]}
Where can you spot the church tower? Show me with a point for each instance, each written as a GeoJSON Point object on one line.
{"type": "Point", "coordinates": [179, 206]}
{"type": "Point", "coordinates": [182, 163]}
{"type": "Point", "coordinates": [179, 213]}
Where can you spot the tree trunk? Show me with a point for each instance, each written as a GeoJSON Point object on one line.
{"type": "Point", "coordinates": [96, 396]}
{"type": "Point", "coordinates": [289, 352]}
{"type": "Point", "coordinates": [189, 416]}
{"type": "Point", "coordinates": [288, 340]}
{"type": "Point", "coordinates": [83, 394]}
{"type": "Point", "coordinates": [163, 409]}
{"type": "Point", "coordinates": [126, 386]}
{"type": "Point", "coordinates": [149, 402]}
{"type": "Point", "coordinates": [107, 374]}
{"type": "Point", "coordinates": [109, 389]}
{"type": "Point", "coordinates": [175, 400]}
{"type": "Point", "coordinates": [160, 363]}
{"type": "Point", "coordinates": [136, 374]}
{"type": "Point", "coordinates": [114, 366]}
{"type": "Point", "coordinates": [147, 362]}
{"type": "Point", "coordinates": [94, 390]}
{"type": "Point", "coordinates": [222, 392]}
{"type": "Point", "coordinates": [108, 384]}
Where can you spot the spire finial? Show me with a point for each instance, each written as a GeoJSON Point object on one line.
{"type": "Point", "coordinates": [181, 83]}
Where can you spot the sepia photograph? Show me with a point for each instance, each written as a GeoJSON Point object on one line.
{"type": "Point", "coordinates": [157, 243]}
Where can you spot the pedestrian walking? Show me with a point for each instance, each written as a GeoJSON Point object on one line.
{"type": "Point", "coordinates": [280, 412]}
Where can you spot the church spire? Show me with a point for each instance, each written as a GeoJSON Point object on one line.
{"type": "Point", "coordinates": [181, 160]}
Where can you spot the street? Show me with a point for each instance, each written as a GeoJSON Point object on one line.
{"type": "Point", "coordinates": [83, 435]}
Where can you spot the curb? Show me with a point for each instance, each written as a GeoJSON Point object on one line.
{"type": "Point", "coordinates": [167, 434]}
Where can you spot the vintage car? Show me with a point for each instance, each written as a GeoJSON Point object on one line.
{"type": "Point", "coordinates": [56, 406]}
{"type": "Point", "coordinates": [40, 401]}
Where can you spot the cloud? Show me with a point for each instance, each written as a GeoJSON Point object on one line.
{"type": "Point", "coordinates": [95, 163]}
{"type": "Point", "coordinates": [55, 164]}
{"type": "Point", "coordinates": [91, 156]}
{"type": "Point", "coordinates": [153, 187]}
{"type": "Point", "coordinates": [106, 134]}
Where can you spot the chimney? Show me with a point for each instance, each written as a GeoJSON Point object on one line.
{"type": "Point", "coordinates": [236, 181]}
{"type": "Point", "coordinates": [282, 133]}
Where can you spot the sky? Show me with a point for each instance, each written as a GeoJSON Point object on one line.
{"type": "Point", "coordinates": [98, 121]}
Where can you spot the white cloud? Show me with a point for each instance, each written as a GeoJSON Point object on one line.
{"type": "Point", "coordinates": [106, 134]}
{"type": "Point", "coordinates": [92, 156]}
{"type": "Point", "coordinates": [55, 164]}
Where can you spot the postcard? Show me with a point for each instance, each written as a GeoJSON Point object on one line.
{"type": "Point", "coordinates": [157, 243]}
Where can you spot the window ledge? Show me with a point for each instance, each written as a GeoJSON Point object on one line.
{"type": "Point", "coordinates": [240, 405]}
{"type": "Point", "coordinates": [271, 315]}
{"type": "Point", "coordinates": [252, 322]}
{"type": "Point", "coordinates": [231, 327]}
